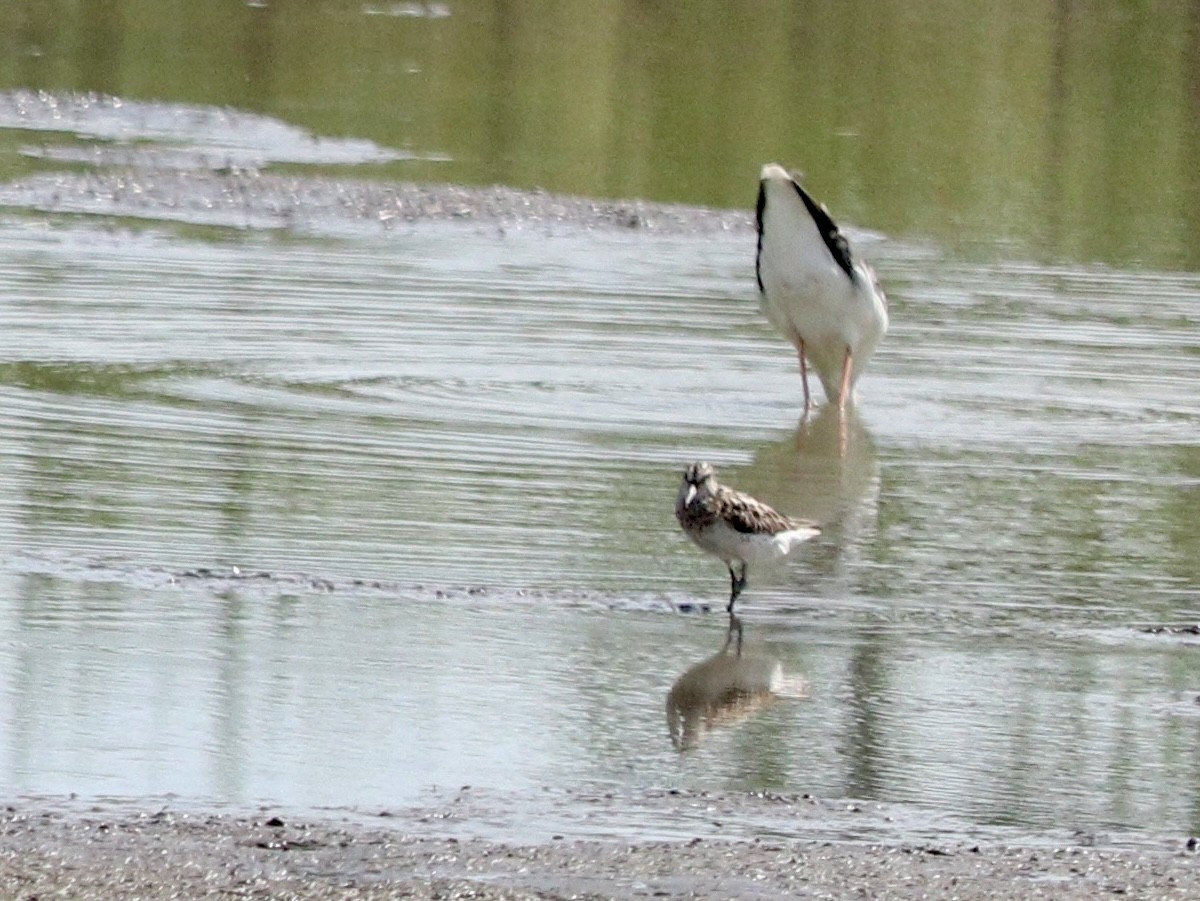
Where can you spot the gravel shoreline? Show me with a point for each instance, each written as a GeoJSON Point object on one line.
{"type": "Point", "coordinates": [111, 851]}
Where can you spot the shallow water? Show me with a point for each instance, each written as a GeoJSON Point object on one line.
{"type": "Point", "coordinates": [302, 502]}
{"type": "Point", "coordinates": [338, 520]}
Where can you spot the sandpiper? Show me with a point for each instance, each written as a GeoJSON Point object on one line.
{"type": "Point", "coordinates": [813, 289]}
{"type": "Point", "coordinates": [734, 526]}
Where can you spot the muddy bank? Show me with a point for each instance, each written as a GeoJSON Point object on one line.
{"type": "Point", "coordinates": [111, 850]}
{"type": "Point", "coordinates": [203, 165]}
{"type": "Point", "coordinates": [249, 199]}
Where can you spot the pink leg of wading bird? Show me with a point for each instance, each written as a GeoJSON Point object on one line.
{"type": "Point", "coordinates": [808, 404]}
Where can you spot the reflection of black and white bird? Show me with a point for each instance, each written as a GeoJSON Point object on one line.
{"type": "Point", "coordinates": [734, 526]}
{"type": "Point", "coordinates": [819, 296]}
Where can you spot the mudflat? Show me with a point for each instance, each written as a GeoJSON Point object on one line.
{"type": "Point", "coordinates": [81, 850]}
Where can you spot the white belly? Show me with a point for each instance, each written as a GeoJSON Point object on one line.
{"type": "Point", "coordinates": [730, 545]}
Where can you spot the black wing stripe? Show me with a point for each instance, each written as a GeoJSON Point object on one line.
{"type": "Point", "coordinates": [758, 220]}
{"type": "Point", "coordinates": [833, 239]}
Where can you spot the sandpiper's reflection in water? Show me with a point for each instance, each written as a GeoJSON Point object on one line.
{"type": "Point", "coordinates": [724, 689]}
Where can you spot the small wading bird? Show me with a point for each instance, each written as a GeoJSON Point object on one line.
{"type": "Point", "coordinates": [734, 526]}
{"type": "Point", "coordinates": [813, 289]}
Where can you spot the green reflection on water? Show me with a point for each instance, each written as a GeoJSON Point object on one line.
{"type": "Point", "coordinates": [82, 379]}
{"type": "Point", "coordinates": [1068, 129]}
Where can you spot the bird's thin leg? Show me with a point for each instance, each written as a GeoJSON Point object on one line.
{"type": "Point", "coordinates": [804, 374]}
{"type": "Point", "coordinates": [735, 626]}
{"type": "Point", "coordinates": [844, 390]}
{"type": "Point", "coordinates": [736, 584]}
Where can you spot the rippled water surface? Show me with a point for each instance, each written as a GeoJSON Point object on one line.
{"type": "Point", "coordinates": [338, 520]}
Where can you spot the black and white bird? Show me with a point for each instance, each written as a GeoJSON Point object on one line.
{"type": "Point", "coordinates": [813, 289]}
{"type": "Point", "coordinates": [734, 526]}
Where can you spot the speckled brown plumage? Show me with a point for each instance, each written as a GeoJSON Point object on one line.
{"type": "Point", "coordinates": [734, 526]}
{"type": "Point", "coordinates": [742, 512]}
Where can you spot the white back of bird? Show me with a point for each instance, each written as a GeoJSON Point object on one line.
{"type": "Point", "coordinates": [804, 290]}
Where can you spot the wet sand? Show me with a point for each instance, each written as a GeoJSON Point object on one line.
{"type": "Point", "coordinates": [108, 851]}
